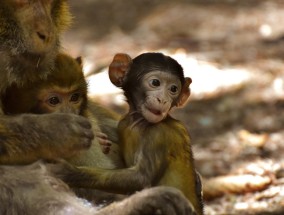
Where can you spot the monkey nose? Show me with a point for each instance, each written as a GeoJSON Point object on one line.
{"type": "Point", "coordinates": [161, 101]}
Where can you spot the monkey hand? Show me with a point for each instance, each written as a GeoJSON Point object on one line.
{"type": "Point", "coordinates": [104, 142]}
{"type": "Point", "coordinates": [158, 201]}
{"type": "Point", "coordinates": [60, 168]}
{"type": "Point", "coordinates": [49, 136]}
{"type": "Point", "coordinates": [67, 133]}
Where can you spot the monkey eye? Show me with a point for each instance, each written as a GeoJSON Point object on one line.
{"type": "Point", "coordinates": [75, 97]}
{"type": "Point", "coordinates": [53, 101]}
{"type": "Point", "coordinates": [174, 89]}
{"type": "Point", "coordinates": [155, 83]}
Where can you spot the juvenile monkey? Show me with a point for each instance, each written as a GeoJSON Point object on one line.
{"type": "Point", "coordinates": [29, 43]}
{"type": "Point", "coordinates": [65, 91]}
{"type": "Point", "coordinates": [155, 147]}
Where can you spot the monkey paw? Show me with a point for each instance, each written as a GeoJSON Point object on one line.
{"type": "Point", "coordinates": [71, 133]}
{"type": "Point", "coordinates": [104, 142]}
{"type": "Point", "coordinates": [157, 201]}
{"type": "Point", "coordinates": [166, 201]}
{"type": "Point", "coordinates": [60, 168]}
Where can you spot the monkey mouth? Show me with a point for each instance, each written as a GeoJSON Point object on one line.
{"type": "Point", "coordinates": [152, 115]}
{"type": "Point", "coordinates": [154, 111]}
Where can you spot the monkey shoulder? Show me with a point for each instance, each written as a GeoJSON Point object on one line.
{"type": "Point", "coordinates": [173, 128]}
{"type": "Point", "coordinates": [101, 112]}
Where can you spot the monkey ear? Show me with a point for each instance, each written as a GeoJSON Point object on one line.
{"type": "Point", "coordinates": [185, 92]}
{"type": "Point", "coordinates": [118, 68]}
{"type": "Point", "coordinates": [79, 61]}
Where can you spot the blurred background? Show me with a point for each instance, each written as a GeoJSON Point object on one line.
{"type": "Point", "coordinates": [233, 50]}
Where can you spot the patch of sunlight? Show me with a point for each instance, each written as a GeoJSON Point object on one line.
{"type": "Point", "coordinates": [88, 66]}
{"type": "Point", "coordinates": [207, 78]}
{"type": "Point", "coordinates": [99, 85]}
{"type": "Point", "coordinates": [254, 205]}
{"type": "Point", "coordinates": [265, 30]}
{"type": "Point", "coordinates": [278, 86]}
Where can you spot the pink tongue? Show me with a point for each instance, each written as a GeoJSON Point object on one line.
{"type": "Point", "coordinates": [157, 112]}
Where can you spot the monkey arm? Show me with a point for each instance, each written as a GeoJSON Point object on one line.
{"type": "Point", "coordinates": [26, 138]}
{"type": "Point", "coordinates": [145, 173]}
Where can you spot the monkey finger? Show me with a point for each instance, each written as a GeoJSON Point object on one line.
{"type": "Point", "coordinates": [104, 142]}
{"type": "Point", "coordinates": [101, 135]}
{"type": "Point", "coordinates": [84, 122]}
{"type": "Point", "coordinates": [85, 144]}
{"type": "Point", "coordinates": [89, 134]}
{"type": "Point", "coordinates": [60, 169]}
{"type": "Point", "coordinates": [105, 149]}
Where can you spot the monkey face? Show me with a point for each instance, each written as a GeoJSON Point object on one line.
{"type": "Point", "coordinates": [36, 26]}
{"type": "Point", "coordinates": [152, 83]}
{"type": "Point", "coordinates": [161, 90]}
{"type": "Point", "coordinates": [60, 100]}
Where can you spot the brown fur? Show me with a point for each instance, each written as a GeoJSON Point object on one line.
{"type": "Point", "coordinates": [31, 190]}
{"type": "Point", "coordinates": [67, 78]}
{"type": "Point", "coordinates": [29, 43]}
{"type": "Point", "coordinates": [155, 153]}
{"type": "Point", "coordinates": [29, 38]}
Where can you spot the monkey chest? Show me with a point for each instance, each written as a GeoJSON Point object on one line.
{"type": "Point", "coordinates": [131, 146]}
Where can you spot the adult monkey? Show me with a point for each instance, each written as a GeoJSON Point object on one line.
{"type": "Point", "coordinates": [29, 42]}
{"type": "Point", "coordinates": [30, 189]}
{"type": "Point", "coordinates": [156, 148]}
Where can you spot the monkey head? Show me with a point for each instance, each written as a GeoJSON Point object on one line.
{"type": "Point", "coordinates": [63, 91]}
{"type": "Point", "coordinates": [58, 100]}
{"type": "Point", "coordinates": [30, 33]}
{"type": "Point", "coordinates": [36, 25]}
{"type": "Point", "coordinates": [152, 82]}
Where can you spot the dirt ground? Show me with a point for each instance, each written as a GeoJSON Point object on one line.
{"type": "Point", "coordinates": [233, 50]}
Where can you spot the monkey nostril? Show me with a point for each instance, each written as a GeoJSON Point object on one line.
{"type": "Point", "coordinates": [42, 36]}
{"type": "Point", "coordinates": [162, 101]}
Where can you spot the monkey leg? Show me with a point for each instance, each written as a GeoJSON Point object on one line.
{"type": "Point", "coordinates": [157, 200]}
{"type": "Point", "coordinates": [31, 190]}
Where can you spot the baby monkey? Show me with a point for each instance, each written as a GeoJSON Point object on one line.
{"type": "Point", "coordinates": [155, 147]}
{"type": "Point", "coordinates": [151, 140]}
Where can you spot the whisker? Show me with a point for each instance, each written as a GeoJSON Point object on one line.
{"type": "Point", "coordinates": [136, 122]}
{"type": "Point", "coordinates": [133, 112]}
{"type": "Point", "coordinates": [37, 65]}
